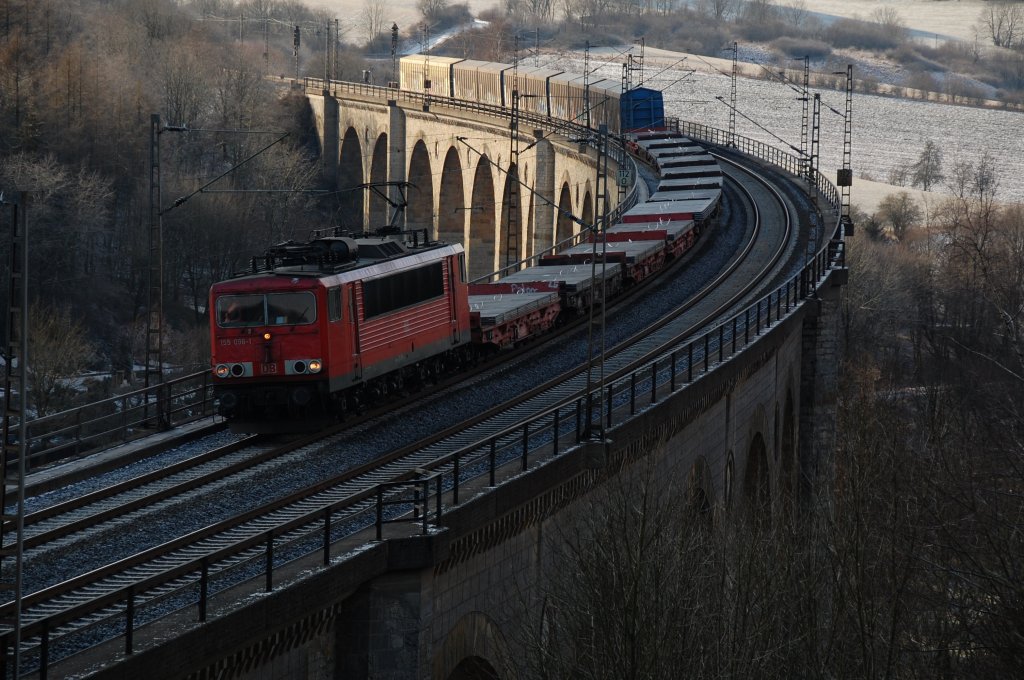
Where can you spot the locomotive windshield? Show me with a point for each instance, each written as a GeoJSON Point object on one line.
{"type": "Point", "coordinates": [273, 309]}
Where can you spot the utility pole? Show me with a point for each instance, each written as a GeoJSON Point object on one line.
{"type": "Point", "coordinates": [812, 179]}
{"type": "Point", "coordinates": [296, 40]}
{"type": "Point", "coordinates": [512, 208]}
{"type": "Point", "coordinates": [596, 325]}
{"type": "Point", "coordinates": [266, 44]}
{"type": "Point", "coordinates": [153, 374]}
{"type": "Point", "coordinates": [394, 55]}
{"type": "Point", "coordinates": [732, 95]}
{"type": "Point", "coordinates": [14, 446]}
{"type": "Point", "coordinates": [586, 84]}
{"type": "Point", "coordinates": [805, 97]}
{"type": "Point", "coordinates": [845, 175]}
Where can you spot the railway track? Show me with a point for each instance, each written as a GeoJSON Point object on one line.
{"type": "Point", "coordinates": [167, 576]}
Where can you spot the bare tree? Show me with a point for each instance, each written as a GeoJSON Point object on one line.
{"type": "Point", "coordinates": [901, 212]}
{"type": "Point", "coordinates": [431, 9]}
{"type": "Point", "coordinates": [1004, 22]}
{"type": "Point", "coordinates": [927, 171]}
{"type": "Point", "coordinates": [372, 19]}
{"type": "Point", "coordinates": [58, 352]}
{"type": "Point", "coordinates": [717, 9]}
{"type": "Point", "coordinates": [891, 22]}
{"type": "Point", "coordinates": [796, 13]}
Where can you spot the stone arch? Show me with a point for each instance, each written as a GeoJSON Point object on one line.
{"type": "Point", "coordinates": [473, 647]}
{"type": "Point", "coordinates": [350, 174]}
{"type": "Point", "coordinates": [377, 211]}
{"type": "Point", "coordinates": [506, 225]}
{"type": "Point", "coordinates": [564, 223]}
{"type": "Point", "coordinates": [482, 224]}
{"type": "Point", "coordinates": [419, 214]}
{"type": "Point", "coordinates": [587, 209]}
{"type": "Point", "coordinates": [757, 493]}
{"type": "Point", "coordinates": [451, 203]}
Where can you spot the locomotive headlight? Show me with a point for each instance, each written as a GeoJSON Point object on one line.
{"type": "Point", "coordinates": [266, 336]}
{"type": "Point", "coordinates": [315, 365]}
{"type": "Point", "coordinates": [222, 370]}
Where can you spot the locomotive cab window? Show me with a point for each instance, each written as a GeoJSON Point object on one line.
{"type": "Point", "coordinates": [289, 309]}
{"type": "Point", "coordinates": [240, 311]}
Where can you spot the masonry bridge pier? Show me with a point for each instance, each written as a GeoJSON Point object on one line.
{"type": "Point", "coordinates": [750, 431]}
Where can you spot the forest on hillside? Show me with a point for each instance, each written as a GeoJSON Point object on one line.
{"type": "Point", "coordinates": [80, 82]}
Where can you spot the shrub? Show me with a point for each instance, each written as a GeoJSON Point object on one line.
{"type": "Point", "coordinates": [863, 35]}
{"type": "Point", "coordinates": [797, 47]}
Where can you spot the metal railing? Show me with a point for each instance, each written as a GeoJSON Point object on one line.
{"type": "Point", "coordinates": [116, 420]}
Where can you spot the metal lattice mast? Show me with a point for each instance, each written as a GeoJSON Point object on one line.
{"type": "Point", "coordinates": [586, 84]}
{"type": "Point", "coordinates": [512, 208]}
{"type": "Point", "coordinates": [13, 444]}
{"type": "Point", "coordinates": [812, 178]}
{"type": "Point", "coordinates": [640, 63]}
{"type": "Point", "coordinates": [596, 325]}
{"type": "Point", "coordinates": [732, 94]}
{"type": "Point", "coordinates": [805, 97]}
{"type": "Point", "coordinates": [845, 178]}
{"type": "Point", "coordinates": [155, 281]}
{"type": "Point", "coordinates": [394, 55]}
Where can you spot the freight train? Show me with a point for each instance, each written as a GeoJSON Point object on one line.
{"type": "Point", "coordinates": [590, 101]}
{"type": "Point", "coordinates": [314, 330]}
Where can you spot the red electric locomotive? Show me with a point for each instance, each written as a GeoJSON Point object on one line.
{"type": "Point", "coordinates": [315, 329]}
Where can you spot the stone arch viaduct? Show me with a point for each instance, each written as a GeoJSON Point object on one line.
{"type": "Point", "coordinates": [753, 433]}
{"type": "Point", "coordinates": [462, 182]}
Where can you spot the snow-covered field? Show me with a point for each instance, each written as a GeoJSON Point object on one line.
{"type": "Point", "coordinates": [886, 131]}
{"type": "Point", "coordinates": [943, 18]}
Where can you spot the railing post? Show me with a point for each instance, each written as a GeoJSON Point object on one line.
{"type": "Point", "coordinates": [270, 561]}
{"type": "Point", "coordinates": [673, 379]}
{"type": "Point", "coordinates": [380, 511]}
{"type": "Point", "coordinates": [689, 363]}
{"type": "Point", "coordinates": [493, 457]}
{"type": "Point", "coordinates": [608, 420]}
{"type": "Point", "coordinates": [734, 335]}
{"type": "Point", "coordinates": [721, 341]}
{"type": "Point", "coordinates": [654, 382]}
{"type": "Point", "coordinates": [129, 624]}
{"type": "Point", "coordinates": [455, 480]}
{"type": "Point", "coordinates": [707, 351]}
{"type": "Point", "coordinates": [204, 578]}
{"type": "Point", "coordinates": [757, 326]}
{"type": "Point", "coordinates": [554, 434]}
{"type": "Point", "coordinates": [426, 502]}
{"type": "Point", "coordinates": [746, 326]}
{"type": "Point", "coordinates": [439, 506]}
{"type": "Point", "coordinates": [579, 405]}
{"type": "Point", "coordinates": [327, 536]}
{"type": "Point", "coordinates": [632, 393]}
{"type": "Point", "coordinates": [526, 444]}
